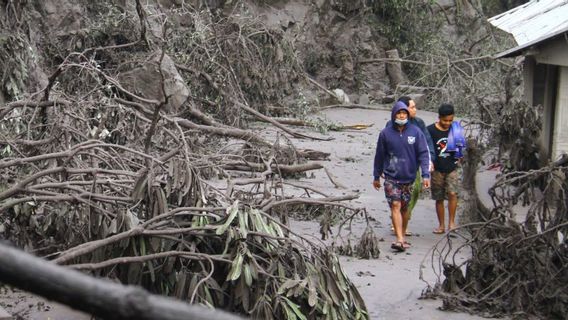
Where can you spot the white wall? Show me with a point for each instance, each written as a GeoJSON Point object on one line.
{"type": "Point", "coordinates": [560, 139]}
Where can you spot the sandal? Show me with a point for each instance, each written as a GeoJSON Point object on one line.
{"type": "Point", "coordinates": [439, 231]}
{"type": "Point", "coordinates": [398, 246]}
{"type": "Point", "coordinates": [406, 244]}
{"type": "Point", "coordinates": [408, 233]}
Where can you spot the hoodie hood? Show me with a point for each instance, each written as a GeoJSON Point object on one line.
{"type": "Point", "coordinates": [399, 105]}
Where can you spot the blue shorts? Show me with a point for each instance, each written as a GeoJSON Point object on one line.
{"type": "Point", "coordinates": [398, 192]}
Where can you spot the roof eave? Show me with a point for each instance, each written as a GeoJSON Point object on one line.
{"type": "Point", "coordinates": [513, 52]}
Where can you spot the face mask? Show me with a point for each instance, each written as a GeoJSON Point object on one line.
{"type": "Point", "coordinates": [400, 122]}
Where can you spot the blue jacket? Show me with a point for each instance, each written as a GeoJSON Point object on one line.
{"type": "Point", "coordinates": [456, 140]}
{"type": "Point", "coordinates": [399, 154]}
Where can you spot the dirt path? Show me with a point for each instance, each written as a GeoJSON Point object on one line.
{"type": "Point", "coordinates": [390, 285]}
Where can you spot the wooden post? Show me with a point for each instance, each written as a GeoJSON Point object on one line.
{"type": "Point", "coordinates": [394, 69]}
{"type": "Point", "coordinates": [99, 297]}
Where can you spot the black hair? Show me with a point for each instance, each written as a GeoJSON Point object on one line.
{"type": "Point", "coordinates": [445, 109]}
{"type": "Point", "coordinates": [405, 100]}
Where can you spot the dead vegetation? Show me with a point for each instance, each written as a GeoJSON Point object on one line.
{"type": "Point", "coordinates": [135, 163]}
{"type": "Point", "coordinates": [519, 253]}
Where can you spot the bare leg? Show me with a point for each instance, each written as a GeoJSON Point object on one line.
{"type": "Point", "coordinates": [405, 219]}
{"type": "Point", "coordinates": [452, 206]}
{"type": "Point", "coordinates": [441, 216]}
{"type": "Point", "coordinates": [397, 221]}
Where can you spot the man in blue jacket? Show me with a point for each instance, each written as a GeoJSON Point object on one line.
{"type": "Point", "coordinates": [401, 150]}
{"type": "Point", "coordinates": [414, 120]}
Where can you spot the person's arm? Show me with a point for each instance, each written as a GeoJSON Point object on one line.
{"type": "Point", "coordinates": [423, 155]}
{"type": "Point", "coordinates": [433, 151]}
{"type": "Point", "coordinates": [378, 164]}
{"type": "Point", "coordinates": [429, 141]}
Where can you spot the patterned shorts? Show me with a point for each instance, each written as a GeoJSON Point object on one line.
{"type": "Point", "coordinates": [444, 183]}
{"type": "Point", "coordinates": [398, 192]}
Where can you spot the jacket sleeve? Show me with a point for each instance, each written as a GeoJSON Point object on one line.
{"type": "Point", "coordinates": [378, 165]}
{"type": "Point", "coordinates": [429, 141]}
{"type": "Point", "coordinates": [423, 155]}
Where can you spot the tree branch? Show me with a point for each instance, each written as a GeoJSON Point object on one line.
{"type": "Point", "coordinates": [99, 297]}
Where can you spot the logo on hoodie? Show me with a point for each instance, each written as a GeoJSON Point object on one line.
{"type": "Point", "coordinates": [411, 140]}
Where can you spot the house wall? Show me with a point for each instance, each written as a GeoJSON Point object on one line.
{"type": "Point", "coordinates": [550, 95]}
{"type": "Point", "coordinates": [540, 90]}
{"type": "Point", "coordinates": [546, 84]}
{"type": "Point", "coordinates": [553, 52]}
{"type": "Point", "coordinates": [560, 135]}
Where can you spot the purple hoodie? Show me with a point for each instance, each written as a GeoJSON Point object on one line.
{"type": "Point", "coordinates": [398, 153]}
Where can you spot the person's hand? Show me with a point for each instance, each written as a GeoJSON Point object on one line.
{"type": "Point", "coordinates": [426, 183]}
{"type": "Point", "coordinates": [377, 184]}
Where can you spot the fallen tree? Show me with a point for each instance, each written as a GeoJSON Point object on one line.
{"type": "Point", "coordinates": [98, 297]}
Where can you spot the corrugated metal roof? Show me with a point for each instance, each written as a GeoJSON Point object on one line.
{"type": "Point", "coordinates": [518, 50]}
{"type": "Point", "coordinates": [534, 20]}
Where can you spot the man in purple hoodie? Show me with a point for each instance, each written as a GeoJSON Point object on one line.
{"type": "Point", "coordinates": [401, 149]}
